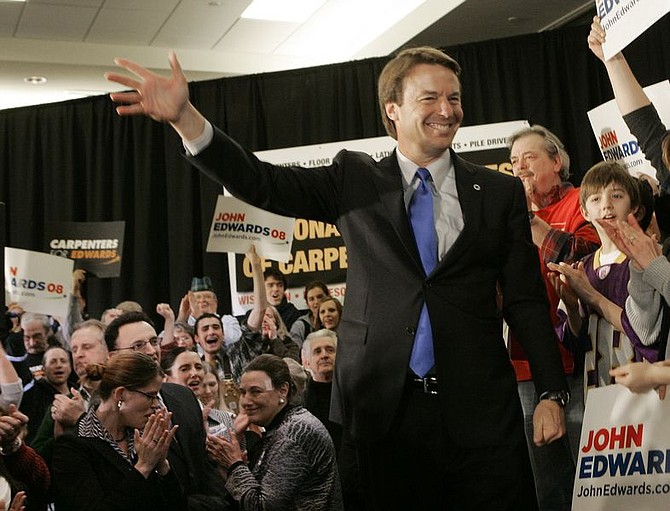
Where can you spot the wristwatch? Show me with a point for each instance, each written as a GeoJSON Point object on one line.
{"type": "Point", "coordinates": [531, 215]}
{"type": "Point", "coordinates": [562, 397]}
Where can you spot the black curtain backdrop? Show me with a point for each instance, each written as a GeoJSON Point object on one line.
{"type": "Point", "coordinates": [79, 161]}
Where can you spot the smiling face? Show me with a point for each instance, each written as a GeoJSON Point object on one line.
{"type": "Point", "coordinates": [430, 114]}
{"type": "Point", "coordinates": [210, 335]}
{"type": "Point", "coordinates": [329, 315]}
{"type": "Point", "coordinates": [207, 301]}
{"type": "Point", "coordinates": [259, 399]}
{"type": "Point", "coordinates": [187, 370]}
{"type": "Point", "coordinates": [136, 407]}
{"type": "Point", "coordinates": [539, 172]}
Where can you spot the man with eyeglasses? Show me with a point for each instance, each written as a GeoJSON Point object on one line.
{"type": "Point", "coordinates": [187, 456]}
{"type": "Point", "coordinates": [561, 234]}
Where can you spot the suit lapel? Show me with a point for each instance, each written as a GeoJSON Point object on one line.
{"type": "Point", "coordinates": [470, 196]}
{"type": "Point", "coordinates": [389, 187]}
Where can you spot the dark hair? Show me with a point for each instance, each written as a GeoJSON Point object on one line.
{"type": "Point", "coordinates": [56, 347]}
{"type": "Point", "coordinates": [112, 330]}
{"type": "Point", "coordinates": [391, 84]}
{"type": "Point", "coordinates": [314, 284]}
{"type": "Point", "coordinates": [205, 316]}
{"type": "Point", "coordinates": [126, 369]}
{"type": "Point", "coordinates": [605, 173]}
{"type": "Point", "coordinates": [665, 148]}
{"type": "Point", "coordinates": [646, 210]}
{"type": "Point", "coordinates": [276, 369]}
{"type": "Point", "coordinates": [168, 358]}
{"type": "Point", "coordinates": [274, 272]}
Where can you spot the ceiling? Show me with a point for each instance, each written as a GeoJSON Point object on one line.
{"type": "Point", "coordinates": [72, 43]}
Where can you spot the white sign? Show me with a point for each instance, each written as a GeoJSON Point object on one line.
{"type": "Point", "coordinates": [614, 138]}
{"type": "Point", "coordinates": [624, 20]}
{"type": "Point", "coordinates": [38, 282]}
{"type": "Point", "coordinates": [236, 225]}
{"type": "Point", "coordinates": [624, 454]}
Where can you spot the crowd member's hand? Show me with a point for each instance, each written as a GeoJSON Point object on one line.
{"type": "Point", "coordinates": [596, 38]}
{"type": "Point", "coordinates": [153, 443]}
{"type": "Point", "coordinates": [11, 425]}
{"type": "Point", "coordinates": [161, 98]}
{"type": "Point", "coordinates": [67, 410]}
{"type": "Point", "coordinates": [18, 502]}
{"type": "Point", "coordinates": [224, 450]}
{"type": "Point", "coordinates": [629, 237]}
{"type": "Point", "coordinates": [166, 311]}
{"type": "Point", "coordinates": [562, 287]}
{"type": "Point", "coordinates": [641, 376]}
{"type": "Point", "coordinates": [195, 308]}
{"type": "Point", "coordinates": [184, 308]}
{"type": "Point", "coordinates": [548, 422]}
{"type": "Point", "coordinates": [575, 277]}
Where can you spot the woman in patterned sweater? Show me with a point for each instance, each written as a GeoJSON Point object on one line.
{"type": "Point", "coordinates": [293, 466]}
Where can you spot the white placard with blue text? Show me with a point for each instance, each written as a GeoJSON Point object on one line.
{"type": "Point", "coordinates": [236, 225]}
{"type": "Point", "coordinates": [624, 452]}
{"type": "Point", "coordinates": [39, 282]}
{"type": "Point", "coordinates": [614, 138]}
{"type": "Point", "coordinates": [624, 21]}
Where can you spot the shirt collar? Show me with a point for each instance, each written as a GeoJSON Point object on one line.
{"type": "Point", "coordinates": [439, 169]}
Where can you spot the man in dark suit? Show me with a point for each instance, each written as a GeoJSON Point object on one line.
{"type": "Point", "coordinates": [187, 456]}
{"type": "Point", "coordinates": [423, 380]}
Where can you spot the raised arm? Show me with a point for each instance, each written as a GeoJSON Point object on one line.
{"type": "Point", "coordinates": [628, 92]}
{"type": "Point", "coordinates": [164, 99]}
{"type": "Point", "coordinates": [260, 299]}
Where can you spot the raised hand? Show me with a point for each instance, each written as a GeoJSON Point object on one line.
{"type": "Point", "coordinates": [161, 98]}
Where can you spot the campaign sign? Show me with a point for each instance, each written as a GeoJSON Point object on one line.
{"type": "Point", "coordinates": [236, 225]}
{"type": "Point", "coordinates": [624, 454]}
{"type": "Point", "coordinates": [38, 282]}
{"type": "Point", "coordinates": [318, 251]}
{"type": "Point", "coordinates": [96, 247]}
{"type": "Point", "coordinates": [615, 139]}
{"type": "Point", "coordinates": [624, 20]}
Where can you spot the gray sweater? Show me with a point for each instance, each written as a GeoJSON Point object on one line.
{"type": "Point", "coordinates": [294, 470]}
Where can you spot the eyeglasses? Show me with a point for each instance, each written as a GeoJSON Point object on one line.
{"type": "Point", "coordinates": [139, 345]}
{"type": "Point", "coordinates": [150, 397]}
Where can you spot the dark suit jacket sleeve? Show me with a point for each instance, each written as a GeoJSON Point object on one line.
{"type": "Point", "coordinates": [525, 305]}
{"type": "Point", "coordinates": [88, 474]}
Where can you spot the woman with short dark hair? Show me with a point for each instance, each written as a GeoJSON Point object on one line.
{"type": "Point", "coordinates": [117, 460]}
{"type": "Point", "coordinates": [293, 466]}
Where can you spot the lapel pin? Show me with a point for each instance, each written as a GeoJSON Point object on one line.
{"type": "Point", "coordinates": [476, 187]}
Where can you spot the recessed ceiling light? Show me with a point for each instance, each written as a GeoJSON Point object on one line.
{"type": "Point", "coordinates": [35, 80]}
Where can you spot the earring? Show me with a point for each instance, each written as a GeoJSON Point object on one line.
{"type": "Point", "coordinates": [281, 401]}
{"type": "Point", "coordinates": [118, 404]}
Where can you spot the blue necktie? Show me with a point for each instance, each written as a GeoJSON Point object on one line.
{"type": "Point", "coordinates": [420, 214]}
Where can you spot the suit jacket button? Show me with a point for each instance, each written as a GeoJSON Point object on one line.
{"type": "Point", "coordinates": [410, 330]}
